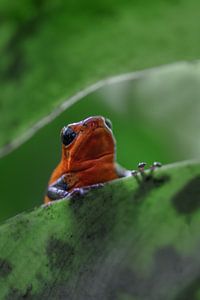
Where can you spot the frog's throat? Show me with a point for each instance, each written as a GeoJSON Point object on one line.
{"type": "Point", "coordinates": [99, 162]}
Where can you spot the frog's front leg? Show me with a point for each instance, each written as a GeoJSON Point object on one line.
{"type": "Point", "coordinates": [81, 191]}
{"type": "Point", "coordinates": [58, 190]}
{"type": "Point", "coordinates": [141, 171]}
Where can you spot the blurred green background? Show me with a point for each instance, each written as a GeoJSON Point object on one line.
{"type": "Point", "coordinates": [52, 49]}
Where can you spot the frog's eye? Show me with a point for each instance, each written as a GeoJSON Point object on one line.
{"type": "Point", "coordinates": [67, 135]}
{"type": "Point", "coordinates": [108, 123]}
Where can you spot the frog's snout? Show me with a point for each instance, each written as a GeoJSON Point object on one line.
{"type": "Point", "coordinates": [94, 122]}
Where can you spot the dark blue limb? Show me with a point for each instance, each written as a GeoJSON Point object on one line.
{"type": "Point", "coordinates": [78, 192]}
{"type": "Point", "coordinates": [58, 189]}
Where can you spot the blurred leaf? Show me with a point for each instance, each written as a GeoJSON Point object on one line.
{"type": "Point", "coordinates": [155, 116]}
{"type": "Point", "coordinates": [123, 241]}
{"type": "Point", "coordinates": [52, 49]}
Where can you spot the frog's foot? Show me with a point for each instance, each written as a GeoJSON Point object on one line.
{"type": "Point", "coordinates": [79, 192]}
{"type": "Point", "coordinates": [141, 171]}
{"type": "Point", "coordinates": [135, 174]}
{"type": "Point", "coordinates": [57, 190]}
{"type": "Point", "coordinates": [154, 166]}
{"type": "Point", "coordinates": [55, 193]}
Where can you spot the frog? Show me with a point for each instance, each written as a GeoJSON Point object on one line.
{"type": "Point", "coordinates": [88, 159]}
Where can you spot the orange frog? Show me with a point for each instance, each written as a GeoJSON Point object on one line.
{"type": "Point", "coordinates": [88, 158]}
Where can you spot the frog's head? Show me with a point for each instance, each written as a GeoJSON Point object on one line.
{"type": "Point", "coordinates": [87, 140]}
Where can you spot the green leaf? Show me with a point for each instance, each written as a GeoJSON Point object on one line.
{"type": "Point", "coordinates": [52, 49]}
{"type": "Point", "coordinates": [155, 116]}
{"type": "Point", "coordinates": [124, 241]}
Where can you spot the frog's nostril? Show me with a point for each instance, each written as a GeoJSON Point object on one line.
{"type": "Point", "coordinates": [94, 124]}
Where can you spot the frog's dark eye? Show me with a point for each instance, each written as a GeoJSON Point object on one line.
{"type": "Point", "coordinates": [108, 123]}
{"type": "Point", "coordinates": [67, 135]}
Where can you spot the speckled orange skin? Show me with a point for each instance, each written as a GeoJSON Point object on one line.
{"type": "Point", "coordinates": [90, 158]}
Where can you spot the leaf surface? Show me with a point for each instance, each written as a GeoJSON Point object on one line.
{"type": "Point", "coordinates": [123, 241]}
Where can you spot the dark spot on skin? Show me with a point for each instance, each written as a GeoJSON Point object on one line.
{"type": "Point", "coordinates": [187, 200]}
{"type": "Point", "coordinates": [5, 268]}
{"type": "Point", "coordinates": [59, 253]}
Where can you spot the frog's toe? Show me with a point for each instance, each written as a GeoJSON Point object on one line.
{"type": "Point", "coordinates": [76, 193]}
{"type": "Point", "coordinates": [141, 171]}
{"type": "Point", "coordinates": [79, 192]}
{"type": "Point", "coordinates": [156, 165]}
